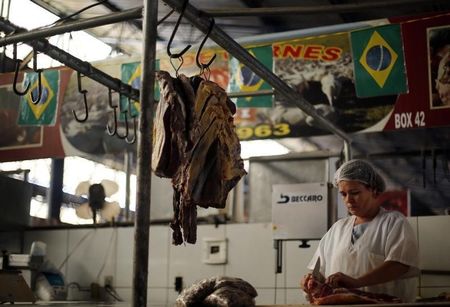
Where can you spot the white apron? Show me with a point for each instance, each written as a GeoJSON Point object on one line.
{"type": "Point", "coordinates": [387, 237]}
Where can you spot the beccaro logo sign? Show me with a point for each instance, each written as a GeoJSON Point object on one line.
{"type": "Point", "coordinates": [296, 198]}
{"type": "Point", "coordinates": [283, 199]}
{"type": "Point", "coordinates": [378, 58]}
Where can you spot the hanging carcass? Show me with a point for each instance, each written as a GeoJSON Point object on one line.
{"type": "Point", "coordinates": [195, 144]}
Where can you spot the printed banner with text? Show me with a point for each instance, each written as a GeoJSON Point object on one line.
{"type": "Point", "coordinates": [320, 69]}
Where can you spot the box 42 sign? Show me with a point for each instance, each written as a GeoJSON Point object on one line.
{"type": "Point", "coordinates": [409, 119]}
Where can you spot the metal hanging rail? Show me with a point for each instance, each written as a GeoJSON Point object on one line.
{"type": "Point", "coordinates": [202, 22]}
{"type": "Point", "coordinates": [42, 45]}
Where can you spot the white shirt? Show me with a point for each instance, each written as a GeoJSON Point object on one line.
{"type": "Point", "coordinates": [388, 236]}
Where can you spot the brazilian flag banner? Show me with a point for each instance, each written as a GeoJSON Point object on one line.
{"type": "Point", "coordinates": [42, 112]}
{"type": "Point", "coordinates": [131, 74]}
{"type": "Point", "coordinates": [378, 59]}
{"type": "Point", "coordinates": [245, 80]}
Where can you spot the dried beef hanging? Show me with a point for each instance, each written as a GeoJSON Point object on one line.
{"type": "Point", "coordinates": [196, 145]}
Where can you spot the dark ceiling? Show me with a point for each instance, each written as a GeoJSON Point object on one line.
{"type": "Point", "coordinates": [238, 18]}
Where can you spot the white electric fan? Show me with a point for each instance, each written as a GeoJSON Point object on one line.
{"type": "Point", "coordinates": [96, 204]}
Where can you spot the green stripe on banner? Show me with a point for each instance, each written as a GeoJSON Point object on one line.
{"type": "Point", "coordinates": [131, 74]}
{"type": "Point", "coordinates": [378, 61]}
{"type": "Point", "coordinates": [244, 80]}
{"type": "Point", "coordinates": [43, 113]}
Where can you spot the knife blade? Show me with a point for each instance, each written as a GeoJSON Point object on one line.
{"type": "Point", "coordinates": [316, 272]}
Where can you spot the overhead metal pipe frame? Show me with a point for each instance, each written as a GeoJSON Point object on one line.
{"type": "Point", "coordinates": [136, 13]}
{"type": "Point", "coordinates": [203, 23]}
{"type": "Point", "coordinates": [42, 45]}
{"type": "Point", "coordinates": [198, 19]}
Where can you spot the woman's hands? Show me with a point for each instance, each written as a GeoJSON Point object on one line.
{"type": "Point", "coordinates": [341, 280]}
{"type": "Point", "coordinates": [304, 285]}
{"type": "Point", "coordinates": [388, 271]}
{"type": "Point", "coordinates": [305, 280]}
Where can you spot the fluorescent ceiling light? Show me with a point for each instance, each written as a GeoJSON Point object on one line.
{"type": "Point", "coordinates": [79, 43]}
{"type": "Point", "coordinates": [259, 148]}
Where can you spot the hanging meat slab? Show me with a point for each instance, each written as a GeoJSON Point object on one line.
{"type": "Point", "coordinates": [196, 145]}
{"type": "Point", "coordinates": [214, 165]}
{"type": "Point", "coordinates": [168, 123]}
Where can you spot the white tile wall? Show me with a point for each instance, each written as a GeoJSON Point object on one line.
{"type": "Point", "coordinates": [297, 260]}
{"type": "Point", "coordinates": [186, 259]}
{"type": "Point", "coordinates": [280, 297]}
{"type": "Point", "coordinates": [434, 242]}
{"type": "Point", "coordinates": [92, 255]}
{"type": "Point", "coordinates": [171, 296]}
{"type": "Point", "coordinates": [158, 297]}
{"type": "Point", "coordinates": [251, 253]}
{"type": "Point", "coordinates": [251, 256]}
{"type": "Point", "coordinates": [124, 270]}
{"type": "Point", "coordinates": [158, 265]}
{"type": "Point", "coordinates": [158, 257]}
{"type": "Point", "coordinates": [126, 294]}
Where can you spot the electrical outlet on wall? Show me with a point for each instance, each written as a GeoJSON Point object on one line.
{"type": "Point", "coordinates": [108, 281]}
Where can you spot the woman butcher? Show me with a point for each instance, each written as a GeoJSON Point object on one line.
{"type": "Point", "coordinates": [372, 249]}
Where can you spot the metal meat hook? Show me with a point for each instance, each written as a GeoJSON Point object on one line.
{"type": "Point", "coordinates": [180, 54]}
{"type": "Point", "coordinates": [125, 137]}
{"type": "Point", "coordinates": [16, 74]}
{"type": "Point", "coordinates": [201, 65]}
{"type": "Point", "coordinates": [133, 139]}
{"type": "Point", "coordinates": [39, 72]}
{"type": "Point", "coordinates": [80, 90]}
{"type": "Point", "coordinates": [112, 131]}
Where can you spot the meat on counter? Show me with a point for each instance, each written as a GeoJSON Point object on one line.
{"type": "Point", "coordinates": [323, 294]}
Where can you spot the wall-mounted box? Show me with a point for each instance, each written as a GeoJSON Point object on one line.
{"type": "Point", "coordinates": [214, 251]}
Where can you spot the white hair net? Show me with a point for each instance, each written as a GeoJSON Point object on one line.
{"type": "Point", "coordinates": [362, 171]}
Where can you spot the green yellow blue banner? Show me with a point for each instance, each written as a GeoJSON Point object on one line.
{"type": "Point", "coordinates": [42, 112]}
{"type": "Point", "coordinates": [378, 61]}
{"type": "Point", "coordinates": [242, 79]}
{"type": "Point", "coordinates": [131, 74]}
